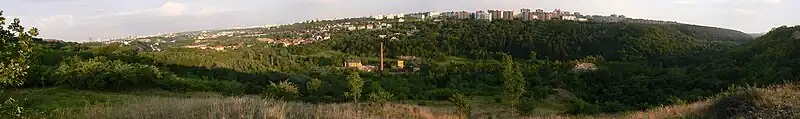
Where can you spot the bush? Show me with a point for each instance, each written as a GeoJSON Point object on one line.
{"type": "Point", "coordinates": [313, 84]}
{"type": "Point", "coordinates": [102, 74]}
{"type": "Point", "coordinates": [579, 106]}
{"type": "Point", "coordinates": [378, 94]}
{"type": "Point", "coordinates": [229, 88]}
{"type": "Point", "coordinates": [462, 104]}
{"type": "Point", "coordinates": [526, 106]}
{"type": "Point", "coordinates": [11, 109]}
{"type": "Point", "coordinates": [284, 90]}
{"type": "Point", "coordinates": [354, 83]}
{"type": "Point", "coordinates": [439, 93]}
{"type": "Point", "coordinates": [776, 102]}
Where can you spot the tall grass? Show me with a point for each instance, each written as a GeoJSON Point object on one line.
{"type": "Point", "coordinates": [771, 102]}
{"type": "Point", "coordinates": [257, 108]}
{"type": "Point", "coordinates": [249, 108]}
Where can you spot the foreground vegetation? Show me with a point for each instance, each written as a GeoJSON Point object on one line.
{"type": "Point", "coordinates": [778, 101]}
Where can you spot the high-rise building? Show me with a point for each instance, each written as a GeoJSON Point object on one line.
{"type": "Point", "coordinates": [539, 14]}
{"type": "Point", "coordinates": [462, 15]}
{"type": "Point", "coordinates": [508, 15]}
{"type": "Point", "coordinates": [422, 15]}
{"type": "Point", "coordinates": [496, 14]}
{"type": "Point", "coordinates": [434, 14]}
{"type": "Point", "coordinates": [481, 15]}
{"type": "Point", "coordinates": [524, 10]}
{"type": "Point", "coordinates": [524, 14]}
{"type": "Point", "coordinates": [452, 15]}
{"type": "Point", "coordinates": [569, 17]}
{"type": "Point", "coordinates": [548, 16]}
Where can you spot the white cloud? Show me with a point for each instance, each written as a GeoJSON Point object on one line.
{"type": "Point", "coordinates": [55, 22]}
{"type": "Point", "coordinates": [767, 1]}
{"type": "Point", "coordinates": [9, 17]}
{"type": "Point", "coordinates": [726, 1]}
{"type": "Point", "coordinates": [325, 1]}
{"type": "Point", "coordinates": [172, 9]}
{"type": "Point", "coordinates": [745, 11]}
{"type": "Point", "coordinates": [167, 9]}
{"type": "Point", "coordinates": [685, 2]}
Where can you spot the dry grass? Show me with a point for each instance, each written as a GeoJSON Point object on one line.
{"type": "Point", "coordinates": [667, 112]}
{"type": "Point", "coordinates": [767, 102]}
{"type": "Point", "coordinates": [250, 108]}
{"type": "Point", "coordinates": [256, 108]}
{"type": "Point", "coordinates": [774, 102]}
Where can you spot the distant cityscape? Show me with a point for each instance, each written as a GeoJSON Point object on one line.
{"type": "Point", "coordinates": [275, 34]}
{"type": "Point", "coordinates": [524, 14]}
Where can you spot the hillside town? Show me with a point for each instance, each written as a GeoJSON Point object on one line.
{"type": "Point", "coordinates": [524, 14]}
{"type": "Point", "coordinates": [319, 30]}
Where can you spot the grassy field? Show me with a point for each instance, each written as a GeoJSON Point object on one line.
{"type": "Point", "coordinates": [59, 103]}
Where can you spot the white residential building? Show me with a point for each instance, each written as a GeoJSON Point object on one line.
{"type": "Point", "coordinates": [378, 17]}
{"type": "Point", "coordinates": [481, 15]}
{"type": "Point", "coordinates": [569, 17]}
{"type": "Point", "coordinates": [435, 14]}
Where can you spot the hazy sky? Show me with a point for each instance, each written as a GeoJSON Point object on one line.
{"type": "Point", "coordinates": [78, 20]}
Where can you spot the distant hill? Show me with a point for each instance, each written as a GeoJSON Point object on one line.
{"type": "Point", "coordinates": [756, 35]}
{"type": "Point", "coordinates": [714, 34]}
{"type": "Point", "coordinates": [561, 40]}
{"type": "Point", "coordinates": [774, 55]}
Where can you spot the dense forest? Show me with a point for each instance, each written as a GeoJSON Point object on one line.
{"type": "Point", "coordinates": [553, 40]}
{"type": "Point", "coordinates": [513, 63]}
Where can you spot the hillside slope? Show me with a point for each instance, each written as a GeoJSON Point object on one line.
{"type": "Point", "coordinates": [557, 40]}
{"type": "Point", "coordinates": [714, 34]}
{"type": "Point", "coordinates": [774, 55]}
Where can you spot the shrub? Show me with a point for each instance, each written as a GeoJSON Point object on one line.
{"type": "Point", "coordinates": [354, 83]}
{"type": "Point", "coordinates": [11, 109]}
{"type": "Point", "coordinates": [229, 88]}
{"type": "Point", "coordinates": [378, 94]}
{"type": "Point", "coordinates": [439, 93]}
{"type": "Point", "coordinates": [284, 90]}
{"type": "Point", "coordinates": [313, 84]}
{"type": "Point", "coordinates": [776, 102]}
{"type": "Point", "coordinates": [462, 104]}
{"type": "Point", "coordinates": [526, 106]}
{"type": "Point", "coordinates": [102, 74]}
{"type": "Point", "coordinates": [579, 106]}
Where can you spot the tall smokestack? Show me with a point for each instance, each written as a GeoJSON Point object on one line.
{"type": "Point", "coordinates": [381, 57]}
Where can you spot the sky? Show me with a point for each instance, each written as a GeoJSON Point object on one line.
{"type": "Point", "coordinates": [82, 20]}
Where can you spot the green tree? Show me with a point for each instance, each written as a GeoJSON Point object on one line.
{"type": "Point", "coordinates": [354, 83]}
{"type": "Point", "coordinates": [284, 90]}
{"type": "Point", "coordinates": [378, 94]}
{"type": "Point", "coordinates": [15, 49]}
{"type": "Point", "coordinates": [313, 84]}
{"type": "Point", "coordinates": [513, 81]}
